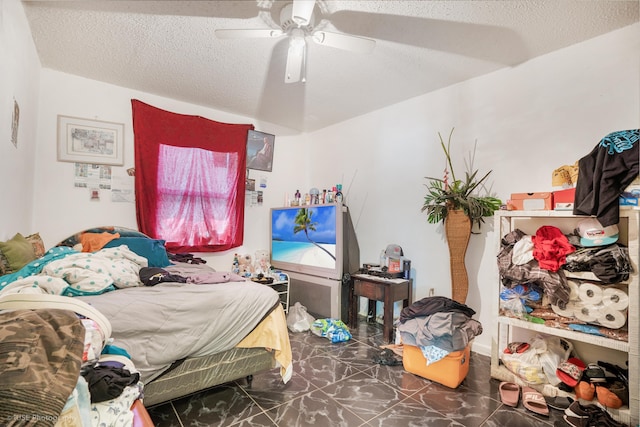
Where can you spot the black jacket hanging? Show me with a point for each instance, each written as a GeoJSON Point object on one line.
{"type": "Point", "coordinates": [605, 173]}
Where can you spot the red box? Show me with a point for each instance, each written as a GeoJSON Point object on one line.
{"type": "Point", "coordinates": [531, 201]}
{"type": "Point", "coordinates": [449, 371]}
{"type": "Point", "coordinates": [563, 199]}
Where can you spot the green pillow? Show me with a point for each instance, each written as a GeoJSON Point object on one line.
{"type": "Point", "coordinates": [18, 251]}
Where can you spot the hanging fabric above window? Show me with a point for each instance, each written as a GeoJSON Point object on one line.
{"type": "Point", "coordinates": [190, 179]}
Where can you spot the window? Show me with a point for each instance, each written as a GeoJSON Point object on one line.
{"type": "Point", "coordinates": [189, 179]}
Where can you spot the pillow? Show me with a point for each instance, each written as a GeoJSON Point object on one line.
{"type": "Point", "coordinates": [4, 265]}
{"type": "Point", "coordinates": [37, 243]}
{"type": "Point", "coordinates": [18, 252]}
{"type": "Point", "coordinates": [153, 250]}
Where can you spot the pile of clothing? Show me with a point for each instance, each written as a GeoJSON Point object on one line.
{"type": "Point", "coordinates": [61, 365]}
{"type": "Point", "coordinates": [438, 326]}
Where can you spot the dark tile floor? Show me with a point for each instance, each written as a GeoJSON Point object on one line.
{"type": "Point", "coordinates": [340, 385]}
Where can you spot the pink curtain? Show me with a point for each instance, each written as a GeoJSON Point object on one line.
{"type": "Point", "coordinates": [190, 179]}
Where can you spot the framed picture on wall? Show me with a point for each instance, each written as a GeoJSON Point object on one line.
{"type": "Point", "coordinates": [260, 150]}
{"type": "Point", "coordinates": [90, 141]}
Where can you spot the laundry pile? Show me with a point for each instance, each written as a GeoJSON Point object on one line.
{"type": "Point", "coordinates": [571, 281]}
{"type": "Point", "coordinates": [73, 374]}
{"type": "Point", "coordinates": [438, 326]}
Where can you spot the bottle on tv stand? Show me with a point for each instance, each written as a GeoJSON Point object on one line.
{"type": "Point", "coordinates": [338, 197]}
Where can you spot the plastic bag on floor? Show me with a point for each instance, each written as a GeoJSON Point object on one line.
{"type": "Point", "coordinates": [298, 320]}
{"type": "Point", "coordinates": [333, 329]}
{"type": "Point", "coordinates": [538, 364]}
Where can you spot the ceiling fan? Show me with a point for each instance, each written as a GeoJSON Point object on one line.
{"type": "Point", "coordinates": [297, 22]}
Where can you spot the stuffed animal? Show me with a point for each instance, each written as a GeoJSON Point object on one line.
{"type": "Point", "coordinates": [245, 265]}
{"type": "Point", "coordinates": [262, 264]}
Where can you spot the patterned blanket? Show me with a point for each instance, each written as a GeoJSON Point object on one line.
{"type": "Point", "coordinates": [64, 271]}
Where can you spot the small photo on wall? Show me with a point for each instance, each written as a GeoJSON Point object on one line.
{"type": "Point", "coordinates": [260, 150]}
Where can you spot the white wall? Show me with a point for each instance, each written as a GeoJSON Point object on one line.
{"type": "Point", "coordinates": [527, 121]}
{"type": "Point", "coordinates": [69, 209]}
{"type": "Point", "coordinates": [19, 74]}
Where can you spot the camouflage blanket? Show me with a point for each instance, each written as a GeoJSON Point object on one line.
{"type": "Point", "coordinates": [39, 371]}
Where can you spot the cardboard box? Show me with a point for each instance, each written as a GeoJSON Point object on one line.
{"type": "Point", "coordinates": [563, 199]}
{"type": "Point", "coordinates": [531, 201]}
{"type": "Point", "coordinates": [449, 371]}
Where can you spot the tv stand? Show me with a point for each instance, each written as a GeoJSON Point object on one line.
{"type": "Point", "coordinates": [322, 297]}
{"type": "Point", "coordinates": [387, 290]}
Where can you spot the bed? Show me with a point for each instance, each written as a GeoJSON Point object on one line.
{"type": "Point", "coordinates": [194, 329]}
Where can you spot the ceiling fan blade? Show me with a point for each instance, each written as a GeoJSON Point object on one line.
{"type": "Point", "coordinates": [295, 70]}
{"type": "Point", "coordinates": [302, 11]}
{"type": "Point", "coordinates": [247, 34]}
{"type": "Point", "coordinates": [280, 102]}
{"type": "Point", "coordinates": [482, 41]}
{"type": "Point", "coordinates": [344, 41]}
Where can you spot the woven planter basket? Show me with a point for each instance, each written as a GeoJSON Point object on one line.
{"type": "Point", "coordinates": [458, 230]}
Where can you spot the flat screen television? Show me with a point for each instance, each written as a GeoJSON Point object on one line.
{"type": "Point", "coordinates": [308, 239]}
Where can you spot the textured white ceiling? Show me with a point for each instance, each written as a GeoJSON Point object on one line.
{"type": "Point", "coordinates": [169, 48]}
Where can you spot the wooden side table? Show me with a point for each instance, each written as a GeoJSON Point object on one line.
{"type": "Point", "coordinates": [380, 289]}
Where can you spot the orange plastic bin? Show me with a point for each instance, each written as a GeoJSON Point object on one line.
{"type": "Point", "coordinates": [449, 371]}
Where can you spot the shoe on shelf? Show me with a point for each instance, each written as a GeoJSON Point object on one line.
{"type": "Point", "coordinates": [578, 410]}
{"type": "Point", "coordinates": [607, 398]}
{"type": "Point", "coordinates": [559, 403]}
{"type": "Point", "coordinates": [621, 373]}
{"type": "Point", "coordinates": [576, 422]}
{"type": "Point", "coordinates": [585, 391]}
{"type": "Point", "coordinates": [602, 419]}
{"type": "Point", "coordinates": [595, 373]}
{"type": "Point", "coordinates": [621, 390]}
{"type": "Point", "coordinates": [578, 415]}
{"type": "Point", "coordinates": [516, 347]}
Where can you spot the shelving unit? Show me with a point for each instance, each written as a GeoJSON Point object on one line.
{"type": "Point", "coordinates": [590, 348]}
{"type": "Point", "coordinates": [282, 288]}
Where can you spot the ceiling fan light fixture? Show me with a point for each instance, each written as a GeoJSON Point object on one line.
{"type": "Point", "coordinates": [296, 58]}
{"type": "Point", "coordinates": [301, 12]}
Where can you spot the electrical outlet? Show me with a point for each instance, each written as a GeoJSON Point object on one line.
{"type": "Point", "coordinates": [432, 292]}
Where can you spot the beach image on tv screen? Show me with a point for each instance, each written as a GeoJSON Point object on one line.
{"type": "Point", "coordinates": [305, 236]}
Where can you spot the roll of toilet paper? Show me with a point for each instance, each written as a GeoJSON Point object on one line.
{"type": "Point", "coordinates": [590, 293]}
{"type": "Point", "coordinates": [567, 311]}
{"type": "Point", "coordinates": [574, 290]}
{"type": "Point", "coordinates": [586, 313]}
{"type": "Point", "coordinates": [615, 299]}
{"type": "Point", "coordinates": [613, 319]}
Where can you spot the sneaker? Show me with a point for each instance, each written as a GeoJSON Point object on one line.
{"type": "Point", "coordinates": [577, 410]}
{"type": "Point", "coordinates": [605, 420]}
{"type": "Point", "coordinates": [595, 418]}
{"type": "Point", "coordinates": [576, 422]}
{"type": "Point", "coordinates": [559, 403]}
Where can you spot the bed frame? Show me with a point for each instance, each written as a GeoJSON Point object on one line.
{"type": "Point", "coordinates": [200, 373]}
